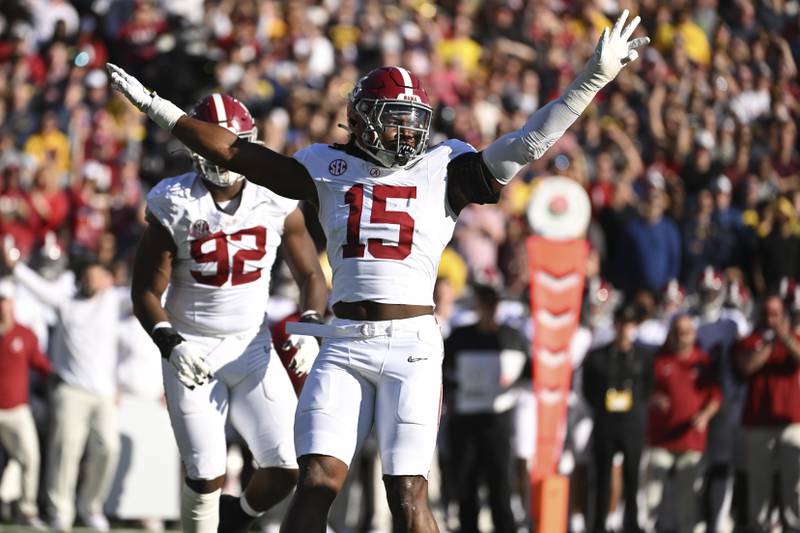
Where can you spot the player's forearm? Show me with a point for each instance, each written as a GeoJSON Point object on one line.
{"type": "Point", "coordinates": [508, 154]}
{"type": "Point", "coordinates": [147, 308]}
{"type": "Point", "coordinates": [213, 142]}
{"type": "Point", "coordinates": [313, 292]}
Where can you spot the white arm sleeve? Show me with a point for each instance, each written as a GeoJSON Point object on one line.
{"type": "Point", "coordinates": [49, 293]}
{"type": "Point", "coordinates": [511, 152]}
{"type": "Point", "coordinates": [508, 154]}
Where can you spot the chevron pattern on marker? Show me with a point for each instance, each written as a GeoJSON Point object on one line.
{"type": "Point", "coordinates": [550, 396]}
{"type": "Point", "coordinates": [553, 359]}
{"type": "Point", "coordinates": [558, 283]}
{"type": "Point", "coordinates": [554, 321]}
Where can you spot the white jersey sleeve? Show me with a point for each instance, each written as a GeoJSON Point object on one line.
{"type": "Point", "coordinates": [386, 227]}
{"type": "Point", "coordinates": [167, 201]}
{"type": "Point", "coordinates": [221, 269]}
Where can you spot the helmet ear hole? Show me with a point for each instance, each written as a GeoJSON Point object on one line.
{"type": "Point", "coordinates": [370, 136]}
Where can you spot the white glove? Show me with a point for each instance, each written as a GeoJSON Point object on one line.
{"type": "Point", "coordinates": [162, 111]}
{"type": "Point", "coordinates": [307, 351]}
{"type": "Point", "coordinates": [190, 364]}
{"type": "Point", "coordinates": [613, 52]}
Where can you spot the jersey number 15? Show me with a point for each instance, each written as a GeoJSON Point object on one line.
{"type": "Point", "coordinates": [377, 248]}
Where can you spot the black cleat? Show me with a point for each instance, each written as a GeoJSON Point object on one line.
{"type": "Point", "coordinates": [232, 519]}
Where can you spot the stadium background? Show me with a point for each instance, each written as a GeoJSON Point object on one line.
{"type": "Point", "coordinates": [707, 117]}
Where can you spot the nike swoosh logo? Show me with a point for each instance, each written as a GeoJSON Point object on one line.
{"type": "Point", "coordinates": [412, 359]}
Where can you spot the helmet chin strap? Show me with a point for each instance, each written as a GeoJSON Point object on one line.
{"type": "Point", "coordinates": [375, 157]}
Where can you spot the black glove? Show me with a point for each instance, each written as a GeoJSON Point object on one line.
{"type": "Point", "coordinates": [166, 339]}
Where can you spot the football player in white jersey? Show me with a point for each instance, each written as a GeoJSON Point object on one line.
{"type": "Point", "coordinates": [388, 204]}
{"type": "Point", "coordinates": [210, 243]}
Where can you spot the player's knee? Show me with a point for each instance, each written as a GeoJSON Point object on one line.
{"type": "Point", "coordinates": [320, 478]}
{"type": "Point", "coordinates": [205, 486]}
{"type": "Point", "coordinates": [406, 494]}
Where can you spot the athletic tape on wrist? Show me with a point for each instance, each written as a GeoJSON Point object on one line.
{"type": "Point", "coordinates": [162, 324]}
{"type": "Point", "coordinates": [311, 316]}
{"type": "Point", "coordinates": [164, 113]}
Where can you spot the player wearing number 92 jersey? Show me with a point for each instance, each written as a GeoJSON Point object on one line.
{"type": "Point", "coordinates": [387, 203]}
{"type": "Point", "coordinates": [211, 241]}
{"type": "Point", "coordinates": [221, 267]}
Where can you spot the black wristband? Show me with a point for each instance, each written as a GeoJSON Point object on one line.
{"type": "Point", "coordinates": [166, 339]}
{"type": "Point", "coordinates": [311, 316]}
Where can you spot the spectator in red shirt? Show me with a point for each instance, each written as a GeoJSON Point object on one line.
{"type": "Point", "coordinates": [685, 398]}
{"type": "Point", "coordinates": [769, 359]}
{"type": "Point", "coordinates": [19, 351]}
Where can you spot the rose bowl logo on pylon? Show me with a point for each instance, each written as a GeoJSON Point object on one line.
{"type": "Point", "coordinates": [559, 208]}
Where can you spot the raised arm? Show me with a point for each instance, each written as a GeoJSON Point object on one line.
{"type": "Point", "coordinates": [508, 154]}
{"type": "Point", "coordinates": [281, 174]}
{"type": "Point", "coordinates": [47, 292]}
{"type": "Point", "coordinates": [504, 158]}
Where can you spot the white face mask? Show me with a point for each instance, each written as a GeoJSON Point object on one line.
{"type": "Point", "coordinates": [220, 176]}
{"type": "Point", "coordinates": [407, 117]}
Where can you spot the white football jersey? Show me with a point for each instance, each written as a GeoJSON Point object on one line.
{"type": "Point", "coordinates": [221, 270]}
{"type": "Point", "coordinates": [386, 228]}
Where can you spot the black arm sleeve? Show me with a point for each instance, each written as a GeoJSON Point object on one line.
{"type": "Point", "coordinates": [468, 181]}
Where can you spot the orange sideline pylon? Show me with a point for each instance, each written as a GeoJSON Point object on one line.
{"type": "Point", "coordinates": [557, 269]}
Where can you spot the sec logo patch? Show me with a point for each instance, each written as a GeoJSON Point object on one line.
{"type": "Point", "coordinates": [337, 167]}
{"type": "Point", "coordinates": [374, 172]}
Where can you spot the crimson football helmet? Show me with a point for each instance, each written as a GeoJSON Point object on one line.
{"type": "Point", "coordinates": [229, 113]}
{"type": "Point", "coordinates": [390, 98]}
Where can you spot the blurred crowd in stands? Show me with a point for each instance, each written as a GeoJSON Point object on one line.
{"type": "Point", "coordinates": [690, 160]}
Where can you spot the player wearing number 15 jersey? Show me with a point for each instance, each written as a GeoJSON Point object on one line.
{"type": "Point", "coordinates": [211, 241]}
{"type": "Point", "coordinates": [387, 203]}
